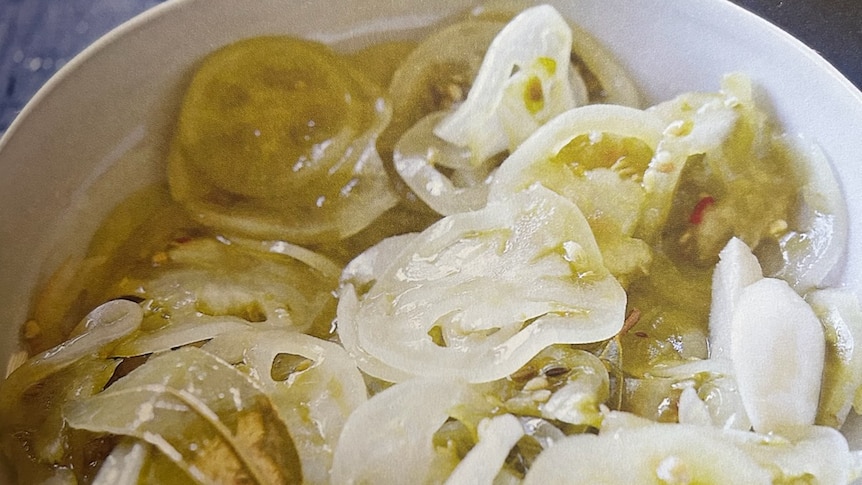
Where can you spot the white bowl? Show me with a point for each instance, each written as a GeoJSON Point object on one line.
{"type": "Point", "coordinates": [113, 105]}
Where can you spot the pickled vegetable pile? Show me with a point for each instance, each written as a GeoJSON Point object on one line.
{"type": "Point", "coordinates": [474, 257]}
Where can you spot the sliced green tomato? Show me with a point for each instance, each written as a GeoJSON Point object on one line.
{"type": "Point", "coordinates": [569, 155]}
{"type": "Point", "coordinates": [696, 124]}
{"type": "Point", "coordinates": [204, 414]}
{"type": "Point", "coordinates": [720, 150]}
{"type": "Point", "coordinates": [390, 438]}
{"type": "Point", "coordinates": [437, 74]}
{"type": "Point", "coordinates": [205, 286]}
{"type": "Point", "coordinates": [314, 395]}
{"type": "Point", "coordinates": [103, 328]}
{"type": "Point", "coordinates": [348, 334]}
{"type": "Point", "coordinates": [777, 349]}
{"type": "Point", "coordinates": [841, 316]}
{"type": "Point", "coordinates": [646, 454]}
{"type": "Point", "coordinates": [276, 139]}
{"type": "Point", "coordinates": [524, 81]}
{"type": "Point", "coordinates": [478, 294]}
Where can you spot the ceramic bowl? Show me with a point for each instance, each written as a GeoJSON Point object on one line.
{"type": "Point", "coordinates": [99, 129]}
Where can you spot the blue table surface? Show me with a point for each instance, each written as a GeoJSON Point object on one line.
{"type": "Point", "coordinates": [38, 36]}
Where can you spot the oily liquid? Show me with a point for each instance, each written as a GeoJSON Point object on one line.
{"type": "Point", "coordinates": [669, 306]}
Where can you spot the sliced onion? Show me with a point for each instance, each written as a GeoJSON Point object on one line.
{"type": "Point", "coordinates": [106, 325]}
{"type": "Point", "coordinates": [815, 245]}
{"type": "Point", "coordinates": [417, 155]}
{"type": "Point", "coordinates": [841, 316]}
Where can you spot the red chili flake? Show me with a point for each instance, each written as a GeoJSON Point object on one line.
{"type": "Point", "coordinates": [641, 334]}
{"type": "Point", "coordinates": [700, 208]}
{"type": "Point", "coordinates": [182, 239]}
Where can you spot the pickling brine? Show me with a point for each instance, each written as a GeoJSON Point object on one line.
{"type": "Point", "coordinates": [477, 255]}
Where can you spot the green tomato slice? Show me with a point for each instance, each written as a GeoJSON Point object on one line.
{"type": "Point", "coordinates": [276, 139]}
{"type": "Point", "coordinates": [478, 294]}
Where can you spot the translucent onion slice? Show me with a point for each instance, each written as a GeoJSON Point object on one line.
{"type": "Point", "coordinates": [205, 415]}
{"type": "Point", "coordinates": [417, 155]}
{"type": "Point", "coordinates": [648, 454]}
{"type": "Point", "coordinates": [348, 334]}
{"type": "Point", "coordinates": [817, 453]}
{"type": "Point", "coordinates": [314, 396]}
{"type": "Point", "coordinates": [363, 270]}
{"type": "Point", "coordinates": [524, 81]}
{"type": "Point", "coordinates": [478, 294]}
{"type": "Point", "coordinates": [215, 285]}
{"type": "Point", "coordinates": [357, 278]}
{"type": "Point", "coordinates": [841, 316]}
{"type": "Point", "coordinates": [389, 439]}
{"type": "Point", "coordinates": [816, 243]}
{"type": "Point", "coordinates": [181, 332]}
{"type": "Point", "coordinates": [106, 325]}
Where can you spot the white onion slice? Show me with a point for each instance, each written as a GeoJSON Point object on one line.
{"type": "Point", "coordinates": [811, 253]}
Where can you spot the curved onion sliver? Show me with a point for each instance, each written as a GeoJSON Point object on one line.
{"type": "Point", "coordinates": [105, 325]}
{"type": "Point", "coordinates": [524, 81]}
{"type": "Point", "coordinates": [389, 439]}
{"type": "Point", "coordinates": [416, 157]}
